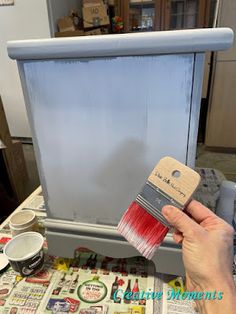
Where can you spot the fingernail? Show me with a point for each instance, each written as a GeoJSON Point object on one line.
{"type": "Point", "coordinates": [166, 210]}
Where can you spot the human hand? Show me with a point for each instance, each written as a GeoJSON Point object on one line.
{"type": "Point", "coordinates": [207, 247]}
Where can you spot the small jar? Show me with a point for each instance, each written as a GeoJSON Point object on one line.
{"type": "Point", "coordinates": [23, 221]}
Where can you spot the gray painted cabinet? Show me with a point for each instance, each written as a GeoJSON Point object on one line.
{"type": "Point", "coordinates": [103, 110]}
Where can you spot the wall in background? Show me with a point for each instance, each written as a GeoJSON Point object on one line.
{"type": "Point", "coordinates": [27, 19]}
{"type": "Point", "coordinates": [221, 126]}
{"type": "Point", "coordinates": [59, 8]}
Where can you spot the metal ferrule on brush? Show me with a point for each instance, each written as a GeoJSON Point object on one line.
{"type": "Point", "coordinates": [152, 199]}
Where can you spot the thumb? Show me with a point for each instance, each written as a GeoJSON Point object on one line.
{"type": "Point", "coordinates": [179, 220]}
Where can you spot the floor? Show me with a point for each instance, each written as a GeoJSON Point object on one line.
{"type": "Point", "coordinates": [224, 162]}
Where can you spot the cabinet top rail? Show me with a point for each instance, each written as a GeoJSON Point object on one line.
{"type": "Point", "coordinates": [151, 43]}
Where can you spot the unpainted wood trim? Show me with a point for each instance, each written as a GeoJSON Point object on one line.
{"type": "Point", "coordinates": [158, 14]}
{"type": "Point", "coordinates": [166, 11]}
{"type": "Point", "coordinates": [207, 14]}
{"type": "Point", "coordinates": [201, 13]}
{"type": "Point", "coordinates": [124, 8]}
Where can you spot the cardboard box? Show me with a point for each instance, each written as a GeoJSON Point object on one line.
{"type": "Point", "coordinates": [95, 16]}
{"type": "Point", "coordinates": [70, 33]}
{"type": "Point", "coordinates": [89, 3]}
{"type": "Point", "coordinates": [96, 31]}
{"type": "Point", "coordinates": [65, 24]}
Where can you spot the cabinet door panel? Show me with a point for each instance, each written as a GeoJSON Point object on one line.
{"type": "Point", "coordinates": [101, 125]}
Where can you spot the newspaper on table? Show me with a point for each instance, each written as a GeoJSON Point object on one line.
{"type": "Point", "coordinates": [173, 305]}
{"type": "Point", "coordinates": [167, 304]}
{"type": "Point", "coordinates": [87, 284]}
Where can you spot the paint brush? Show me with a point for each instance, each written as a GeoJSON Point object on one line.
{"type": "Point", "coordinates": [143, 225]}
